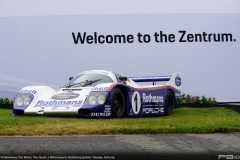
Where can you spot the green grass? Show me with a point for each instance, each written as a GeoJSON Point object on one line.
{"type": "Point", "coordinates": [184, 120]}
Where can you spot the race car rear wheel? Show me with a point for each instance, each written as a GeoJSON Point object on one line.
{"type": "Point", "coordinates": [118, 103]}
{"type": "Point", "coordinates": [169, 103]}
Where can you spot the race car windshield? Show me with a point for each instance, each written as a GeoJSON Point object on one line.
{"type": "Point", "coordinates": [88, 80]}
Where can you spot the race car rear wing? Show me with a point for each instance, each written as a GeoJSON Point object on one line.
{"type": "Point", "coordinates": [150, 78]}
{"type": "Point", "coordinates": [175, 80]}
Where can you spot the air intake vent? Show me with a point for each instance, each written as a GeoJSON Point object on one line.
{"type": "Point", "coordinates": [18, 112]}
{"type": "Point", "coordinates": [85, 111]}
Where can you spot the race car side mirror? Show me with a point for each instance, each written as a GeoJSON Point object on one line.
{"type": "Point", "coordinates": [70, 78]}
{"type": "Point", "coordinates": [123, 78]}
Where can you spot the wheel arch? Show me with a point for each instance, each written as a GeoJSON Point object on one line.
{"type": "Point", "coordinates": [124, 90]}
{"type": "Point", "coordinates": [173, 93]}
{"type": "Point", "coordinates": [169, 104]}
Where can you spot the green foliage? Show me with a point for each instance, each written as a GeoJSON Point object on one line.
{"type": "Point", "coordinates": [5, 101]}
{"type": "Point", "coordinates": [181, 99]}
{"type": "Point", "coordinates": [186, 99]}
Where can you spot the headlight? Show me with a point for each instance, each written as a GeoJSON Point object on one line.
{"type": "Point", "coordinates": [26, 101]}
{"type": "Point", "coordinates": [96, 98]}
{"type": "Point", "coordinates": [19, 101]}
{"type": "Point", "coordinates": [23, 100]}
{"type": "Point", "coordinates": [101, 99]}
{"type": "Point", "coordinates": [92, 100]}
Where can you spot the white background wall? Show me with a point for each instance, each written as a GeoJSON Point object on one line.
{"type": "Point", "coordinates": [37, 48]}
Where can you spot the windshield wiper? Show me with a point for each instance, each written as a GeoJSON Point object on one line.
{"type": "Point", "coordinates": [90, 82]}
{"type": "Point", "coordinates": [74, 84]}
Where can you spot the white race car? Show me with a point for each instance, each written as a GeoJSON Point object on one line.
{"type": "Point", "coordinates": [101, 93]}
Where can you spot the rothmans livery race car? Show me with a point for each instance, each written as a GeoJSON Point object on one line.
{"type": "Point", "coordinates": [101, 93]}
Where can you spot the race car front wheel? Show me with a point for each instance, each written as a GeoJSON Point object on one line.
{"type": "Point", "coordinates": [118, 103]}
{"type": "Point", "coordinates": [169, 103]}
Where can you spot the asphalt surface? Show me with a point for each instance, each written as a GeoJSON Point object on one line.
{"type": "Point", "coordinates": [164, 146]}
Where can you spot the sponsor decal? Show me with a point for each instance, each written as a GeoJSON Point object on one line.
{"type": "Point", "coordinates": [162, 109]}
{"type": "Point", "coordinates": [178, 81]}
{"type": "Point", "coordinates": [100, 114]}
{"type": "Point", "coordinates": [136, 102]}
{"type": "Point", "coordinates": [100, 89]}
{"type": "Point", "coordinates": [149, 98]}
{"type": "Point", "coordinates": [177, 94]}
{"type": "Point", "coordinates": [28, 91]}
{"type": "Point", "coordinates": [67, 95]}
{"type": "Point", "coordinates": [55, 103]}
{"type": "Point", "coordinates": [151, 110]}
{"type": "Point", "coordinates": [107, 109]}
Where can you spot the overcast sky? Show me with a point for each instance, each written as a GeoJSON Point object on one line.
{"type": "Point", "coordinates": [81, 7]}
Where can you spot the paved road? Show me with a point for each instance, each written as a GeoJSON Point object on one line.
{"type": "Point", "coordinates": [169, 146]}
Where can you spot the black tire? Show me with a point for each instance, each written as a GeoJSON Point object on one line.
{"type": "Point", "coordinates": [118, 103]}
{"type": "Point", "coordinates": [169, 103]}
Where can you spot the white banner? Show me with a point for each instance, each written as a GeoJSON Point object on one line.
{"type": "Point", "coordinates": [46, 50]}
